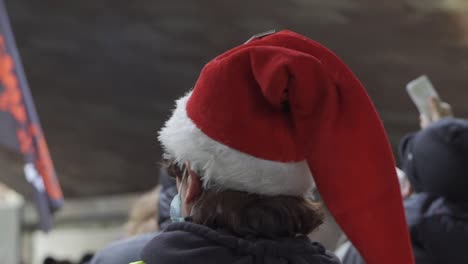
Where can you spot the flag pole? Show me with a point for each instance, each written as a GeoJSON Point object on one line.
{"type": "Point", "coordinates": [39, 170]}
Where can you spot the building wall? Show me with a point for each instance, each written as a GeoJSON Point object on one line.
{"type": "Point", "coordinates": [104, 74]}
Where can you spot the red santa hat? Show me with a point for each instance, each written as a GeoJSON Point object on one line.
{"type": "Point", "coordinates": [267, 115]}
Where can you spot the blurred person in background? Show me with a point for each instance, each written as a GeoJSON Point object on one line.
{"type": "Point", "coordinates": [242, 144]}
{"type": "Point", "coordinates": [435, 161]}
{"type": "Point", "coordinates": [84, 260]}
{"type": "Point", "coordinates": [143, 214]}
{"type": "Point", "coordinates": [150, 215]}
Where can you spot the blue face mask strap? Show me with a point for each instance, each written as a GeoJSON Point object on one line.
{"type": "Point", "coordinates": [176, 209]}
{"type": "Point", "coordinates": [176, 206]}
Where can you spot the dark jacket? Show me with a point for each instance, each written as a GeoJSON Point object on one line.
{"type": "Point", "coordinates": [438, 229]}
{"type": "Point", "coordinates": [182, 243]}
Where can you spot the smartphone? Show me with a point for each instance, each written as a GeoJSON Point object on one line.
{"type": "Point", "coordinates": [421, 90]}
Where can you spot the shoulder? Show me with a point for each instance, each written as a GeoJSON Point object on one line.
{"type": "Point", "coordinates": [123, 251]}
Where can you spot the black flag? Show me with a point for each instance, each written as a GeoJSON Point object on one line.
{"type": "Point", "coordinates": [20, 129]}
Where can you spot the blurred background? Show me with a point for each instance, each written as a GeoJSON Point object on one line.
{"type": "Point", "coordinates": [104, 74]}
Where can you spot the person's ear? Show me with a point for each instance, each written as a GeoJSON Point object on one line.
{"type": "Point", "coordinates": [194, 187]}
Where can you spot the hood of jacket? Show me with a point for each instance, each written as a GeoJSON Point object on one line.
{"type": "Point", "coordinates": [196, 244]}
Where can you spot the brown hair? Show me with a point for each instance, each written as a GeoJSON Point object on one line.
{"type": "Point", "coordinates": [253, 215]}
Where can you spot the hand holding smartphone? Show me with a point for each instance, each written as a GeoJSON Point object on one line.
{"type": "Point", "coordinates": [421, 91]}
{"type": "Point", "coordinates": [427, 100]}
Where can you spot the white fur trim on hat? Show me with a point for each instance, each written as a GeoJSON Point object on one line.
{"type": "Point", "coordinates": [223, 168]}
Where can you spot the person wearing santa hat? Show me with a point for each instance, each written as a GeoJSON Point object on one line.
{"type": "Point", "coordinates": [265, 121]}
